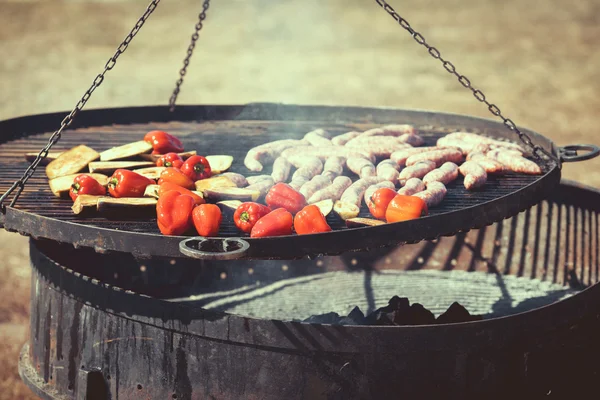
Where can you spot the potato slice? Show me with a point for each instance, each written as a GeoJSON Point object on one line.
{"type": "Point", "coordinates": [152, 191]}
{"type": "Point", "coordinates": [154, 157]}
{"type": "Point", "coordinates": [231, 193]}
{"type": "Point", "coordinates": [346, 210]}
{"type": "Point", "coordinates": [108, 167]}
{"type": "Point", "coordinates": [61, 186]}
{"type": "Point", "coordinates": [71, 161]}
{"type": "Point", "coordinates": [325, 206]}
{"type": "Point", "coordinates": [126, 151]}
{"type": "Point", "coordinates": [214, 183]}
{"type": "Point", "coordinates": [229, 206]}
{"type": "Point", "coordinates": [49, 158]}
{"type": "Point", "coordinates": [150, 172]}
{"type": "Point", "coordinates": [219, 164]}
{"type": "Point", "coordinates": [126, 204]}
{"type": "Point", "coordinates": [359, 222]}
{"type": "Point", "coordinates": [85, 202]}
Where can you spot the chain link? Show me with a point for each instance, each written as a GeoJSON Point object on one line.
{"type": "Point", "coordinates": [190, 51]}
{"type": "Point", "coordinates": [463, 80]}
{"type": "Point", "coordinates": [66, 122]}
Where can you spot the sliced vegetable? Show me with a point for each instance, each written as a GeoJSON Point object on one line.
{"type": "Point", "coordinates": [378, 202]}
{"type": "Point", "coordinates": [174, 213]}
{"type": "Point", "coordinates": [170, 160]}
{"type": "Point", "coordinates": [248, 214]}
{"type": "Point", "coordinates": [229, 207]}
{"type": "Point", "coordinates": [163, 143]}
{"type": "Point", "coordinates": [108, 167]}
{"type": "Point", "coordinates": [137, 204]}
{"type": "Point", "coordinates": [207, 219]}
{"type": "Point", "coordinates": [61, 186]}
{"type": "Point", "coordinates": [219, 164]}
{"type": "Point", "coordinates": [126, 151]}
{"type": "Point", "coordinates": [53, 155]}
{"type": "Point", "coordinates": [71, 161]}
{"type": "Point", "coordinates": [86, 202]}
{"type": "Point", "coordinates": [276, 223]}
{"type": "Point", "coordinates": [360, 222]}
{"type": "Point", "coordinates": [125, 183]}
{"type": "Point", "coordinates": [282, 195]}
{"type": "Point", "coordinates": [346, 210]}
{"type": "Point", "coordinates": [168, 186]}
{"type": "Point", "coordinates": [231, 193]}
{"type": "Point", "coordinates": [177, 177]}
{"type": "Point", "coordinates": [404, 208]}
{"type": "Point", "coordinates": [155, 157]}
{"type": "Point", "coordinates": [214, 183]}
{"type": "Point", "coordinates": [151, 172]}
{"type": "Point", "coordinates": [196, 168]}
{"type": "Point", "coordinates": [326, 206]}
{"type": "Point", "coordinates": [310, 220]}
{"type": "Point", "coordinates": [151, 191]}
{"type": "Point", "coordinates": [86, 184]}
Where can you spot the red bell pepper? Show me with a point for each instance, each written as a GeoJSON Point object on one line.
{"type": "Point", "coordinates": [170, 160]}
{"type": "Point", "coordinates": [310, 220]}
{"type": "Point", "coordinates": [379, 201]}
{"type": "Point", "coordinates": [174, 213]}
{"type": "Point", "coordinates": [163, 143]}
{"type": "Point", "coordinates": [85, 184]}
{"type": "Point", "coordinates": [275, 223]}
{"type": "Point", "coordinates": [207, 219]}
{"type": "Point", "coordinates": [177, 177]}
{"type": "Point", "coordinates": [168, 186]}
{"type": "Point", "coordinates": [196, 168]}
{"type": "Point", "coordinates": [247, 214]}
{"type": "Point", "coordinates": [125, 183]}
{"type": "Point", "coordinates": [404, 208]}
{"type": "Point", "coordinates": [284, 196]}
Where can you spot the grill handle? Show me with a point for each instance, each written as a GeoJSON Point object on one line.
{"type": "Point", "coordinates": [214, 248]}
{"type": "Point", "coordinates": [570, 153]}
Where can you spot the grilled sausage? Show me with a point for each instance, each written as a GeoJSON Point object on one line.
{"type": "Point", "coordinates": [465, 146]}
{"type": "Point", "coordinates": [334, 167]}
{"type": "Point", "coordinates": [262, 186]}
{"type": "Point", "coordinates": [316, 183]}
{"type": "Point", "coordinates": [514, 162]}
{"type": "Point", "coordinates": [373, 188]}
{"type": "Point", "coordinates": [412, 139]}
{"type": "Point", "coordinates": [281, 170]}
{"type": "Point", "coordinates": [257, 178]}
{"type": "Point", "coordinates": [298, 182]}
{"type": "Point", "coordinates": [490, 166]}
{"type": "Point", "coordinates": [438, 156]}
{"type": "Point", "coordinates": [356, 191]}
{"type": "Point", "coordinates": [400, 156]}
{"type": "Point", "coordinates": [318, 138]}
{"type": "Point", "coordinates": [333, 191]}
{"type": "Point", "coordinates": [475, 175]}
{"type": "Point", "coordinates": [390, 130]}
{"type": "Point", "coordinates": [344, 138]}
{"type": "Point", "coordinates": [308, 168]}
{"type": "Point", "coordinates": [379, 146]}
{"type": "Point", "coordinates": [473, 137]}
{"type": "Point", "coordinates": [268, 152]}
{"type": "Point", "coordinates": [434, 194]}
{"type": "Point", "coordinates": [361, 167]}
{"type": "Point", "coordinates": [325, 152]}
{"type": "Point", "coordinates": [418, 170]}
{"type": "Point", "coordinates": [447, 173]}
{"type": "Point", "coordinates": [388, 170]}
{"type": "Point", "coordinates": [239, 179]}
{"type": "Point", "coordinates": [412, 186]}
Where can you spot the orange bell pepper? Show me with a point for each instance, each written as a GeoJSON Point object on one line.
{"type": "Point", "coordinates": [177, 177]}
{"type": "Point", "coordinates": [404, 208]}
{"type": "Point", "coordinates": [196, 168]}
{"type": "Point", "coordinates": [207, 219]}
{"type": "Point", "coordinates": [163, 143]}
{"type": "Point", "coordinates": [170, 160]}
{"type": "Point", "coordinates": [174, 213]}
{"type": "Point", "coordinates": [168, 186]}
{"type": "Point", "coordinates": [379, 201]}
{"type": "Point", "coordinates": [125, 183]}
{"type": "Point", "coordinates": [247, 215]}
{"type": "Point", "coordinates": [284, 196]}
{"type": "Point", "coordinates": [275, 223]}
{"type": "Point", "coordinates": [310, 220]}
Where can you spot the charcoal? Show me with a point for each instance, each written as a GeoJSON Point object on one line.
{"type": "Point", "coordinates": [395, 313]}
{"type": "Point", "coordinates": [329, 318]}
{"type": "Point", "coordinates": [356, 317]}
{"type": "Point", "coordinates": [419, 315]}
{"type": "Point", "coordinates": [455, 314]}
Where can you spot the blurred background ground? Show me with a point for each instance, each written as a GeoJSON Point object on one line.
{"type": "Point", "coordinates": [539, 64]}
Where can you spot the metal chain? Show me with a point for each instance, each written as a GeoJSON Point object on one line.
{"type": "Point", "coordinates": [466, 82]}
{"type": "Point", "coordinates": [190, 51]}
{"type": "Point", "coordinates": [20, 184]}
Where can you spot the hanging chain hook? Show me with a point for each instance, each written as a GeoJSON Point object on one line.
{"type": "Point", "coordinates": [478, 94]}
{"type": "Point", "coordinates": [190, 51]}
{"type": "Point", "coordinates": [66, 122]}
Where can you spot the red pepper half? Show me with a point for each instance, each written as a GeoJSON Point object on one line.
{"type": "Point", "coordinates": [284, 196]}
{"type": "Point", "coordinates": [125, 183]}
{"type": "Point", "coordinates": [310, 220]}
{"type": "Point", "coordinates": [404, 208]}
{"type": "Point", "coordinates": [168, 186]}
{"type": "Point", "coordinates": [174, 213]}
{"type": "Point", "coordinates": [379, 201]}
{"type": "Point", "coordinates": [85, 184]}
{"type": "Point", "coordinates": [163, 143]}
{"type": "Point", "coordinates": [196, 168]}
{"type": "Point", "coordinates": [275, 223]}
{"type": "Point", "coordinates": [170, 160]}
{"type": "Point", "coordinates": [247, 214]}
{"type": "Point", "coordinates": [177, 177]}
{"type": "Point", "coordinates": [207, 219]}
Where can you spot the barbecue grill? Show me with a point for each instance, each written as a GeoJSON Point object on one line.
{"type": "Point", "coordinates": [121, 311]}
